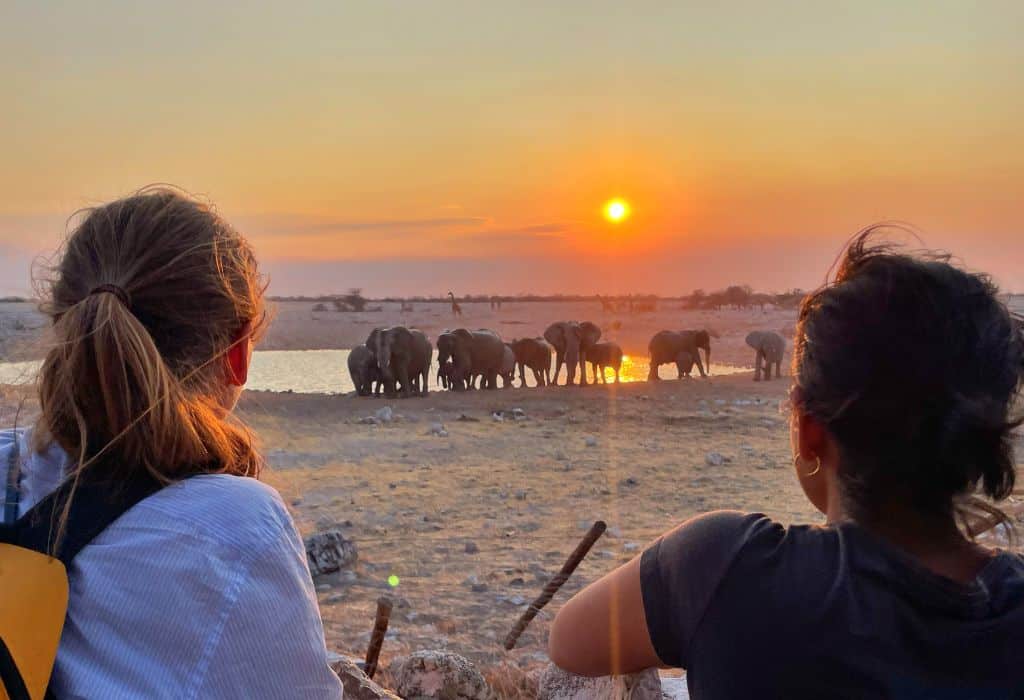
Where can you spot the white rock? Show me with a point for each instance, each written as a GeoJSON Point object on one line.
{"type": "Point", "coordinates": [714, 459]}
{"type": "Point", "coordinates": [518, 414]}
{"type": "Point", "coordinates": [590, 441]}
{"type": "Point", "coordinates": [384, 414]}
{"type": "Point", "coordinates": [440, 675]}
{"type": "Point", "coordinates": [675, 689]}
{"type": "Point", "coordinates": [437, 429]}
{"type": "Point", "coordinates": [497, 417]}
{"type": "Point", "coordinates": [556, 684]}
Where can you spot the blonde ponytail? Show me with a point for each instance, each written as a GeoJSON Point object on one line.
{"type": "Point", "coordinates": [149, 295]}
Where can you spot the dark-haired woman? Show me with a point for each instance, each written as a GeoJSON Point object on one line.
{"type": "Point", "coordinates": [905, 374]}
{"type": "Point", "coordinates": [200, 589]}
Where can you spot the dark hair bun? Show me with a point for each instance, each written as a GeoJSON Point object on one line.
{"type": "Point", "coordinates": [913, 365]}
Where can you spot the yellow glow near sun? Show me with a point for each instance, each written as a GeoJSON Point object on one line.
{"type": "Point", "coordinates": [616, 210]}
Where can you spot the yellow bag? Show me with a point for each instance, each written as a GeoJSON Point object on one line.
{"type": "Point", "coordinates": [34, 584]}
{"type": "Point", "coordinates": [32, 610]}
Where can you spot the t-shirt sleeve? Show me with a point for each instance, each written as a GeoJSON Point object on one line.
{"type": "Point", "coordinates": [680, 572]}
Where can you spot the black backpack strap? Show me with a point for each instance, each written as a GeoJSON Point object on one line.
{"type": "Point", "coordinates": [94, 506]}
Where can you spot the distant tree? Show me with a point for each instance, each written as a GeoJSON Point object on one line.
{"type": "Point", "coordinates": [320, 307]}
{"type": "Point", "coordinates": [738, 295]}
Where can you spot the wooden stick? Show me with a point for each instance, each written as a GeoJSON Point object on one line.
{"type": "Point", "coordinates": [380, 628]}
{"type": "Point", "coordinates": [596, 530]}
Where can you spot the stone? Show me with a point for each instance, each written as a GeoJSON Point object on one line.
{"type": "Point", "coordinates": [498, 417]}
{"type": "Point", "coordinates": [463, 418]}
{"type": "Point", "coordinates": [518, 414]}
{"type": "Point", "coordinates": [675, 689]}
{"type": "Point", "coordinates": [590, 441]}
{"type": "Point", "coordinates": [369, 420]}
{"type": "Point", "coordinates": [437, 429]}
{"type": "Point", "coordinates": [556, 684]}
{"type": "Point", "coordinates": [440, 675]}
{"type": "Point", "coordinates": [472, 548]}
{"type": "Point", "coordinates": [357, 685]}
{"type": "Point", "coordinates": [714, 459]}
{"type": "Point", "coordinates": [385, 414]}
{"type": "Point", "coordinates": [329, 551]}
{"type": "Point", "coordinates": [521, 495]}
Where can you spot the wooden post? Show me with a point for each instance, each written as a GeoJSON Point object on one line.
{"type": "Point", "coordinates": [380, 628]}
{"type": "Point", "coordinates": [596, 530]}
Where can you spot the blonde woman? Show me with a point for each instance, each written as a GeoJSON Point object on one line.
{"type": "Point", "coordinates": [201, 588]}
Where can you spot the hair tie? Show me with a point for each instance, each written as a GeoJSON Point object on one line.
{"type": "Point", "coordinates": [118, 292]}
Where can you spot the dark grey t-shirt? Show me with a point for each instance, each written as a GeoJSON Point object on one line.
{"type": "Point", "coordinates": [753, 609]}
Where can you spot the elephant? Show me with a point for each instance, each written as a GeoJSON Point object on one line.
{"type": "Point", "coordinates": [601, 355]}
{"type": "Point", "coordinates": [403, 356]}
{"type": "Point", "coordinates": [666, 346]}
{"type": "Point", "coordinates": [472, 353]}
{"type": "Point", "coordinates": [445, 372]}
{"type": "Point", "coordinates": [362, 367]}
{"type": "Point", "coordinates": [534, 353]}
{"type": "Point", "coordinates": [769, 347]}
{"type": "Point", "coordinates": [508, 367]}
{"type": "Point", "coordinates": [571, 341]}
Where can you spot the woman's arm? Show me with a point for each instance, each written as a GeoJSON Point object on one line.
{"type": "Point", "coordinates": [602, 630]}
{"type": "Point", "coordinates": [272, 640]}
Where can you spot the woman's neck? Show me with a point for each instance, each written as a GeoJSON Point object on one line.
{"type": "Point", "coordinates": [934, 541]}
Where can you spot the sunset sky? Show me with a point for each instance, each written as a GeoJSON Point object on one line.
{"type": "Point", "coordinates": [415, 147]}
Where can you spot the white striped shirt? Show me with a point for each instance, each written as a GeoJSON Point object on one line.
{"type": "Point", "coordinates": [199, 591]}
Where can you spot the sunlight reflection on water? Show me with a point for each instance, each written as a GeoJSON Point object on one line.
{"type": "Point", "coordinates": [326, 371]}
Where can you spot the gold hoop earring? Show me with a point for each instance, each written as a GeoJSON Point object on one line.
{"type": "Point", "coordinates": [817, 465]}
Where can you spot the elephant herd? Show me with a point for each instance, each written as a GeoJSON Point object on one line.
{"type": "Point", "coordinates": [399, 359]}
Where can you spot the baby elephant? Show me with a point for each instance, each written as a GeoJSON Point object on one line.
{"type": "Point", "coordinates": [601, 355]}
{"type": "Point", "coordinates": [769, 347]}
{"type": "Point", "coordinates": [535, 354]}
{"type": "Point", "coordinates": [362, 366]}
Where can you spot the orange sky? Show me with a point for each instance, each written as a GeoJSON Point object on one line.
{"type": "Point", "coordinates": [409, 148]}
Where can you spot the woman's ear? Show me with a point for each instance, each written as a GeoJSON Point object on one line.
{"type": "Point", "coordinates": [238, 356]}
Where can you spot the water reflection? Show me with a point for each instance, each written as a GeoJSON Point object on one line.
{"type": "Point", "coordinates": [326, 371]}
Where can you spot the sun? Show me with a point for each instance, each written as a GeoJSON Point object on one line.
{"type": "Point", "coordinates": [616, 210]}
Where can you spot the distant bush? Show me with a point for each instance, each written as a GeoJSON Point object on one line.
{"type": "Point", "coordinates": [352, 300]}
{"type": "Point", "coordinates": [320, 307]}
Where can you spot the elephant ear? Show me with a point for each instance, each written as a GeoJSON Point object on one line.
{"type": "Point", "coordinates": [462, 334]}
{"type": "Point", "coordinates": [590, 331]}
{"type": "Point", "coordinates": [555, 333]}
{"type": "Point", "coordinates": [371, 340]}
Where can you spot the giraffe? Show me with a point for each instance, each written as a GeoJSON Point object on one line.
{"type": "Point", "coordinates": [456, 309]}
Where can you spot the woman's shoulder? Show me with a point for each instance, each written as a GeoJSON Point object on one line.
{"type": "Point", "coordinates": [234, 511]}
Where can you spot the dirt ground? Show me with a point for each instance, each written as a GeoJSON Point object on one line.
{"type": "Point", "coordinates": [474, 523]}
{"type": "Point", "coordinates": [473, 512]}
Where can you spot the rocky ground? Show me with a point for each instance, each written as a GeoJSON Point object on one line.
{"type": "Point", "coordinates": [474, 500]}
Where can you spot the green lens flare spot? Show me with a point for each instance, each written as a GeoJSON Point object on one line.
{"type": "Point", "coordinates": [393, 581]}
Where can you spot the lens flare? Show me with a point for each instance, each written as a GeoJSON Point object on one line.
{"type": "Point", "coordinates": [616, 210]}
{"type": "Point", "coordinates": [393, 581]}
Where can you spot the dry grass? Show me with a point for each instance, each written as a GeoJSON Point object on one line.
{"type": "Point", "coordinates": [510, 682]}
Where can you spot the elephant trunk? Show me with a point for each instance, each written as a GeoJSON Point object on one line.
{"type": "Point", "coordinates": [707, 358]}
